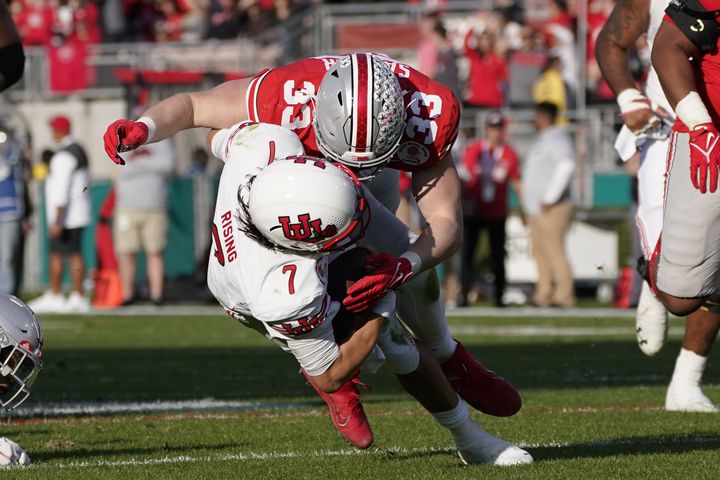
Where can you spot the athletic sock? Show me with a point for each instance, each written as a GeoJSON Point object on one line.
{"type": "Point", "coordinates": [458, 422]}
{"type": "Point", "coordinates": [689, 369]}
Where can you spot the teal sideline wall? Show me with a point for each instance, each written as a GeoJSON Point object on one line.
{"type": "Point", "coordinates": [180, 252]}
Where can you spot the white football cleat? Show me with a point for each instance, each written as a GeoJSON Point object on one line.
{"type": "Point", "coordinates": [12, 454]}
{"type": "Point", "coordinates": [48, 302]}
{"type": "Point", "coordinates": [77, 303]}
{"type": "Point", "coordinates": [688, 399]}
{"type": "Point", "coordinates": [651, 322]}
{"type": "Point", "coordinates": [489, 450]}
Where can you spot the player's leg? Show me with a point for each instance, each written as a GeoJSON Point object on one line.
{"type": "Point", "coordinates": [420, 305]}
{"type": "Point", "coordinates": [686, 266]}
{"type": "Point", "coordinates": [651, 319]}
{"type": "Point", "coordinates": [421, 376]}
{"type": "Point", "coordinates": [684, 392]}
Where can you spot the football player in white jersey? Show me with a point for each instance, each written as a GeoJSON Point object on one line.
{"type": "Point", "coordinates": [21, 342]}
{"type": "Point", "coordinates": [368, 112]}
{"type": "Point", "coordinates": [646, 118]}
{"type": "Point", "coordinates": [280, 216]}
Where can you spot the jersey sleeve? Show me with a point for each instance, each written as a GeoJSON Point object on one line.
{"type": "Point", "coordinates": [431, 124]}
{"type": "Point", "coordinates": [283, 96]}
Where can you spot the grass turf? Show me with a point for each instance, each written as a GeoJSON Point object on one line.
{"type": "Point", "coordinates": [592, 407]}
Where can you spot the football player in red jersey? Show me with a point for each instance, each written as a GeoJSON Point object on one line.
{"type": "Point", "coordinates": [365, 111]}
{"type": "Point", "coordinates": [686, 262]}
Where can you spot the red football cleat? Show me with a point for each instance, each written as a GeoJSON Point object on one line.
{"type": "Point", "coordinates": [480, 387]}
{"type": "Point", "coordinates": [346, 412]}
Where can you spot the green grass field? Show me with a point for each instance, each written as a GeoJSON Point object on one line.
{"type": "Point", "coordinates": [592, 407]}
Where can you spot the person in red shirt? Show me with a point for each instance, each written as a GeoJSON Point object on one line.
{"type": "Point", "coordinates": [490, 166]}
{"type": "Point", "coordinates": [488, 71]}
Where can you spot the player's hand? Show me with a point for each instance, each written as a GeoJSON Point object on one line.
{"type": "Point", "coordinates": [12, 454]}
{"type": "Point", "coordinates": [636, 111]}
{"type": "Point", "coordinates": [386, 273]}
{"type": "Point", "coordinates": [704, 157]}
{"type": "Point", "coordinates": [122, 136]}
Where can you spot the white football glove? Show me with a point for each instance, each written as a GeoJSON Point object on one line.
{"type": "Point", "coordinates": [12, 454]}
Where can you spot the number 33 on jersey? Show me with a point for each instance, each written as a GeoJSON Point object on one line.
{"type": "Point", "coordinates": [283, 96]}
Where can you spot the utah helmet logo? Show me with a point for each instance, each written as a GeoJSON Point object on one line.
{"type": "Point", "coordinates": [306, 230]}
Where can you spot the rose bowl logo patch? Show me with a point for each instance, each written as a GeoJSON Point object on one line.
{"type": "Point", "coordinates": [413, 153]}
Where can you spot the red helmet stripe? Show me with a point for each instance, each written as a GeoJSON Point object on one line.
{"type": "Point", "coordinates": [362, 101]}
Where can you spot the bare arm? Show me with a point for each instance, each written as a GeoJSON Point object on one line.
{"type": "Point", "coordinates": [437, 192]}
{"type": "Point", "coordinates": [352, 354]}
{"type": "Point", "coordinates": [219, 107]}
{"type": "Point", "coordinates": [670, 57]}
{"type": "Point", "coordinates": [628, 21]}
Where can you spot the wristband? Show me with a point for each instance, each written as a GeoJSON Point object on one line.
{"type": "Point", "coordinates": [150, 124]}
{"type": "Point", "coordinates": [691, 110]}
{"type": "Point", "coordinates": [414, 259]}
{"type": "Point", "coordinates": [632, 99]}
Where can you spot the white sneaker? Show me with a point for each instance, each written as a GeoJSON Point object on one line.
{"type": "Point", "coordinates": [489, 450]}
{"type": "Point", "coordinates": [48, 302]}
{"type": "Point", "coordinates": [651, 322]}
{"type": "Point", "coordinates": [688, 399]}
{"type": "Point", "coordinates": [76, 303]}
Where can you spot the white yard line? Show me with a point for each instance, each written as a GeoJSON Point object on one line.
{"type": "Point", "coordinates": [169, 406]}
{"type": "Point", "coordinates": [540, 330]}
{"type": "Point", "coordinates": [269, 456]}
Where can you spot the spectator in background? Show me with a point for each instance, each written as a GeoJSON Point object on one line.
{"type": "Point", "coordinates": [550, 87]}
{"type": "Point", "coordinates": [34, 20]}
{"type": "Point", "coordinates": [223, 19]}
{"type": "Point", "coordinates": [67, 210]}
{"type": "Point", "coordinates": [436, 57]}
{"type": "Point", "coordinates": [546, 202]}
{"type": "Point", "coordinates": [14, 209]}
{"type": "Point", "coordinates": [488, 76]}
{"type": "Point", "coordinates": [199, 163]}
{"type": "Point", "coordinates": [559, 30]}
{"type": "Point", "coordinates": [141, 219]}
{"type": "Point", "coordinates": [488, 166]}
{"type": "Point", "coordinates": [526, 65]}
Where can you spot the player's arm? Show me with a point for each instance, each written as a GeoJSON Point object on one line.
{"type": "Point", "coordinates": [672, 50]}
{"type": "Point", "coordinates": [628, 21]}
{"type": "Point", "coordinates": [330, 364]}
{"type": "Point", "coordinates": [437, 192]}
{"type": "Point", "coordinates": [352, 353]}
{"type": "Point", "coordinates": [219, 107]}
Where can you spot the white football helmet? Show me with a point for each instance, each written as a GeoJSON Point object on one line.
{"type": "Point", "coordinates": [307, 204]}
{"type": "Point", "coordinates": [21, 342]}
{"type": "Point", "coordinates": [359, 114]}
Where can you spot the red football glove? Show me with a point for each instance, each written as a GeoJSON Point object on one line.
{"type": "Point", "coordinates": [387, 273]}
{"type": "Point", "coordinates": [122, 136]}
{"type": "Point", "coordinates": [704, 156]}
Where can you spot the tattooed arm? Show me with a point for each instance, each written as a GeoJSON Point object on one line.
{"type": "Point", "coordinates": [628, 21]}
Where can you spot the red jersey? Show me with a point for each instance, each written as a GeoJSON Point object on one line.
{"type": "Point", "coordinates": [432, 113]}
{"type": "Point", "coordinates": [707, 73]}
{"type": "Point", "coordinates": [490, 170]}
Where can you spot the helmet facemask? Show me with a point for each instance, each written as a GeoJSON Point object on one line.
{"type": "Point", "coordinates": [19, 367]}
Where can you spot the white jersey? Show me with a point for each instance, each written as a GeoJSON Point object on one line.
{"type": "Point", "coordinates": [653, 89]}
{"type": "Point", "coordinates": [285, 292]}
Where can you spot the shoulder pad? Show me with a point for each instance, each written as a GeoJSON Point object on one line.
{"type": "Point", "coordinates": [697, 23]}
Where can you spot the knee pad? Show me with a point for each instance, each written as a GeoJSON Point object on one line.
{"type": "Point", "coordinates": [401, 354]}
{"type": "Point", "coordinates": [12, 63]}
